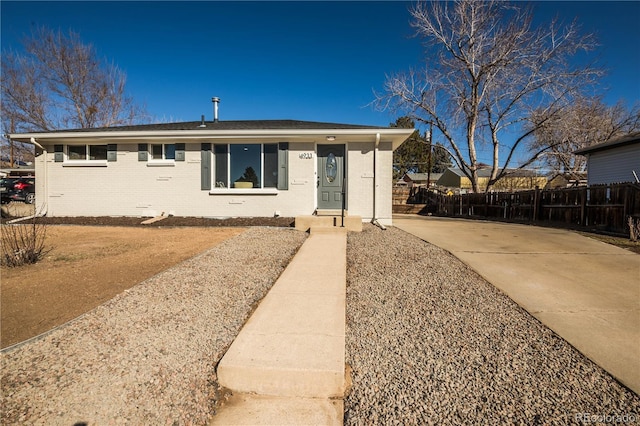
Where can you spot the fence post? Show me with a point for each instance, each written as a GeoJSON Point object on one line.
{"type": "Point", "coordinates": [583, 206]}
{"type": "Point", "coordinates": [536, 203]}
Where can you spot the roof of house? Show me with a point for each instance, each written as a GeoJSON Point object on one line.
{"type": "Point", "coordinates": [423, 177]}
{"type": "Point", "coordinates": [631, 138]}
{"type": "Point", "coordinates": [205, 130]}
{"type": "Point", "coordinates": [223, 125]}
{"type": "Point", "coordinates": [417, 176]}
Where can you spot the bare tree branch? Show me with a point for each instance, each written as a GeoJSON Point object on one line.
{"type": "Point", "coordinates": [586, 122]}
{"type": "Point", "coordinates": [59, 82]}
{"type": "Point", "coordinates": [486, 70]}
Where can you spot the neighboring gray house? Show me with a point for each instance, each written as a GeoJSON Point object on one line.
{"type": "Point", "coordinates": [614, 161]}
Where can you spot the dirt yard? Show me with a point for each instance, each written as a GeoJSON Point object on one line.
{"type": "Point", "coordinates": [87, 266]}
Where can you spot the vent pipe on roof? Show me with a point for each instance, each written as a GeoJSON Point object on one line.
{"type": "Point", "coordinates": [202, 124]}
{"type": "Point", "coordinates": [215, 101]}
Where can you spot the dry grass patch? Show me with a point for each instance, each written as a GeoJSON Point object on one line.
{"type": "Point", "coordinates": [624, 243]}
{"type": "Point", "coordinates": [88, 266]}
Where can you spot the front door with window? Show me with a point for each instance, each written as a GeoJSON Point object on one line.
{"type": "Point", "coordinates": [330, 176]}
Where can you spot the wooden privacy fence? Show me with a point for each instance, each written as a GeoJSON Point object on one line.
{"type": "Point", "coordinates": [610, 208]}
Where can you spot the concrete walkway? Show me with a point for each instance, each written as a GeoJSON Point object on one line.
{"type": "Point", "coordinates": [585, 290]}
{"type": "Point", "coordinates": [287, 365]}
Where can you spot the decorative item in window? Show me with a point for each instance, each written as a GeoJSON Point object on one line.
{"type": "Point", "coordinates": [248, 180]}
{"type": "Point", "coordinates": [331, 168]}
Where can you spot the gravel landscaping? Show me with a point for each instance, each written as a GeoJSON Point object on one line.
{"type": "Point", "coordinates": [148, 356]}
{"type": "Point", "coordinates": [428, 342]}
{"type": "Point", "coordinates": [431, 342]}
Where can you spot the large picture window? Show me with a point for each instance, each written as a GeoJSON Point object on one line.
{"type": "Point", "coordinates": [246, 165]}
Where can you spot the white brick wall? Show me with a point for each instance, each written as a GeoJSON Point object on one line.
{"type": "Point", "coordinates": [128, 187]}
{"type": "Point", "coordinates": [361, 180]}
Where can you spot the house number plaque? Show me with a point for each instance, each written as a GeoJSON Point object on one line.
{"type": "Point", "coordinates": [306, 156]}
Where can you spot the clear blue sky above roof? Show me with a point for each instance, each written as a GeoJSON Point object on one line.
{"type": "Point", "coordinates": [316, 61]}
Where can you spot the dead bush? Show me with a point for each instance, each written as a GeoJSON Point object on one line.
{"type": "Point", "coordinates": [22, 243]}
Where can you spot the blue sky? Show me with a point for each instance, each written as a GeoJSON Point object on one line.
{"type": "Point", "coordinates": [316, 61]}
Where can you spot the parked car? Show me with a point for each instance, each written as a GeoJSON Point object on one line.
{"type": "Point", "coordinates": [18, 189]}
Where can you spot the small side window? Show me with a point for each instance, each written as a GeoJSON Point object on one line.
{"type": "Point", "coordinates": [77, 152]}
{"type": "Point", "coordinates": [58, 153]}
{"type": "Point", "coordinates": [143, 152]}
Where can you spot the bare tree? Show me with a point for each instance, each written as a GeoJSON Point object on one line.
{"type": "Point", "coordinates": [586, 122]}
{"type": "Point", "coordinates": [486, 69]}
{"type": "Point", "coordinates": [58, 83]}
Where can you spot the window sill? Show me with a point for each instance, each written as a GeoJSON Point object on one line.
{"type": "Point", "coordinates": [239, 191]}
{"type": "Point", "coordinates": [85, 163]}
{"type": "Point", "coordinates": [161, 163]}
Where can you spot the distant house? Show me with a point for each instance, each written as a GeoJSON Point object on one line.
{"type": "Point", "coordinates": [567, 180]}
{"type": "Point", "coordinates": [516, 179]}
{"type": "Point", "coordinates": [614, 161]}
{"type": "Point", "coordinates": [520, 179]}
{"type": "Point", "coordinates": [455, 178]}
{"type": "Point", "coordinates": [419, 179]}
{"type": "Point", "coordinates": [260, 168]}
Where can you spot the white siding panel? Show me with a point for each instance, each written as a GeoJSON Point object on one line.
{"type": "Point", "coordinates": [614, 165]}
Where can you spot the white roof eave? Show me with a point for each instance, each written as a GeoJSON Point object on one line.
{"type": "Point", "coordinates": [395, 135]}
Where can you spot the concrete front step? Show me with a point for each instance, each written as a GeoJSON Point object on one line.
{"type": "Point", "coordinates": [331, 212]}
{"type": "Point", "coordinates": [351, 223]}
{"type": "Point", "coordinates": [293, 344]}
{"type": "Point", "coordinates": [243, 409]}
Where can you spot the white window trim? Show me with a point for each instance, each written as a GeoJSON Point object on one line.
{"type": "Point", "coordinates": [84, 163]}
{"type": "Point", "coordinates": [239, 191]}
{"type": "Point", "coordinates": [161, 163]}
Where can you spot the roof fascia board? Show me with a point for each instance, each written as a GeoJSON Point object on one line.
{"type": "Point", "coordinates": [395, 135]}
{"type": "Point", "coordinates": [607, 145]}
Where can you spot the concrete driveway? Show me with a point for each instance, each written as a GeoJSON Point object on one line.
{"type": "Point", "coordinates": [585, 290]}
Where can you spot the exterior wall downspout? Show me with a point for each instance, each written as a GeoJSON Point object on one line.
{"type": "Point", "coordinates": [374, 218]}
{"type": "Point", "coordinates": [42, 211]}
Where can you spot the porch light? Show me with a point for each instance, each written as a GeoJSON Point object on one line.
{"type": "Point", "coordinates": [331, 138]}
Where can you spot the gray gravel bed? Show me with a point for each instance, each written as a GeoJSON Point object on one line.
{"type": "Point", "coordinates": [431, 342]}
{"type": "Point", "coordinates": [148, 356]}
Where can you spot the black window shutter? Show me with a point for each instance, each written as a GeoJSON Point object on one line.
{"type": "Point", "coordinates": [143, 152]}
{"type": "Point", "coordinates": [179, 152]}
{"type": "Point", "coordinates": [205, 166]}
{"type": "Point", "coordinates": [283, 166]}
{"type": "Point", "coordinates": [112, 152]}
{"type": "Point", "coordinates": [58, 153]}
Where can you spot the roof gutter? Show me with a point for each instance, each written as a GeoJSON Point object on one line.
{"type": "Point", "coordinates": [397, 135]}
{"type": "Point", "coordinates": [42, 210]}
